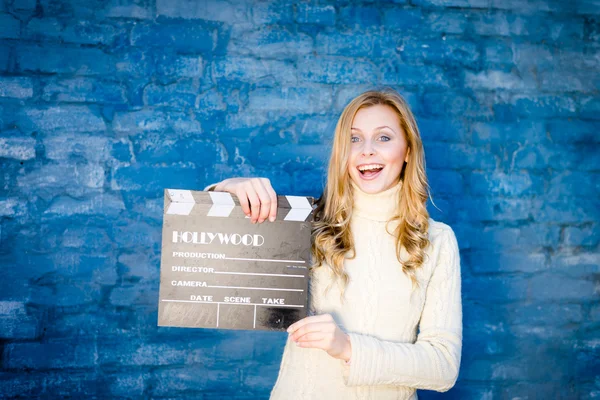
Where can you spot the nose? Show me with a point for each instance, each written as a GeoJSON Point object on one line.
{"type": "Point", "coordinates": [368, 149]}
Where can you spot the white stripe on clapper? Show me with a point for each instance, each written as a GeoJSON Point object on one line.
{"type": "Point", "coordinates": [222, 204]}
{"type": "Point", "coordinates": [182, 202]}
{"type": "Point", "coordinates": [301, 208]}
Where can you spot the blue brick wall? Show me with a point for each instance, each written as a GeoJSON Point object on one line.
{"type": "Point", "coordinates": [104, 104]}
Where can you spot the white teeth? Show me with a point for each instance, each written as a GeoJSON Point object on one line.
{"type": "Point", "coordinates": [370, 167]}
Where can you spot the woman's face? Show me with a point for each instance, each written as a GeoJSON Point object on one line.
{"type": "Point", "coordinates": [378, 149]}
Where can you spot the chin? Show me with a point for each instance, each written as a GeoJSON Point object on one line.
{"type": "Point", "coordinates": [371, 187]}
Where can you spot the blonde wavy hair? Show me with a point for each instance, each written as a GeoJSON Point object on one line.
{"type": "Point", "coordinates": [331, 239]}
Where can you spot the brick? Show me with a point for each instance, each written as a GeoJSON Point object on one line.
{"type": "Point", "coordinates": [16, 87]}
{"type": "Point", "coordinates": [498, 23]}
{"type": "Point", "coordinates": [67, 294]}
{"type": "Point", "coordinates": [139, 266]}
{"type": "Point", "coordinates": [345, 44]}
{"type": "Point", "coordinates": [25, 5]}
{"type": "Point", "coordinates": [4, 57]}
{"type": "Point", "coordinates": [567, 210]}
{"type": "Point", "coordinates": [539, 157]}
{"type": "Point", "coordinates": [446, 182]}
{"type": "Point", "coordinates": [556, 287]}
{"type": "Point", "coordinates": [544, 314]}
{"type": "Point", "coordinates": [153, 180]}
{"type": "Point", "coordinates": [170, 148]}
{"type": "Point", "coordinates": [260, 72]}
{"type": "Point", "coordinates": [448, 103]}
{"type": "Point", "coordinates": [531, 235]}
{"type": "Point", "coordinates": [265, 13]}
{"type": "Point", "coordinates": [14, 384]}
{"type": "Point", "coordinates": [211, 10]}
{"type": "Point", "coordinates": [407, 75]}
{"type": "Point", "coordinates": [15, 323]}
{"type": "Point", "coordinates": [360, 17]}
{"type": "Point", "coordinates": [306, 99]}
{"type": "Point", "coordinates": [80, 32]}
{"type": "Point", "coordinates": [497, 80]}
{"type": "Point", "coordinates": [575, 183]}
{"type": "Point", "coordinates": [514, 184]}
{"type": "Point", "coordinates": [19, 327]}
{"type": "Point", "coordinates": [261, 376]}
{"type": "Point", "coordinates": [84, 90]}
{"type": "Point", "coordinates": [330, 70]}
{"type": "Point", "coordinates": [10, 27]}
{"type": "Point", "coordinates": [271, 42]}
{"type": "Point", "coordinates": [494, 209]}
{"type": "Point", "coordinates": [86, 32]}
{"type": "Point", "coordinates": [447, 21]}
{"type": "Point", "coordinates": [74, 383]}
{"type": "Point", "coordinates": [151, 120]}
{"type": "Point", "coordinates": [133, 9]}
{"type": "Point", "coordinates": [173, 380]}
{"type": "Point", "coordinates": [443, 52]}
{"type": "Point", "coordinates": [531, 6]}
{"type": "Point", "coordinates": [136, 294]}
{"type": "Point", "coordinates": [570, 131]}
{"type": "Point", "coordinates": [11, 207]}
{"type": "Point", "coordinates": [499, 262]}
{"type": "Point", "coordinates": [90, 238]}
{"type": "Point", "coordinates": [457, 156]}
{"type": "Point", "coordinates": [177, 95]}
{"type": "Point", "coordinates": [81, 61]}
{"type": "Point", "coordinates": [103, 204]}
{"type": "Point", "coordinates": [452, 3]}
{"type": "Point", "coordinates": [125, 383]}
{"type": "Point", "coordinates": [77, 147]}
{"type": "Point", "coordinates": [181, 36]}
{"type": "Point", "coordinates": [18, 148]}
{"type": "Point", "coordinates": [315, 14]}
{"type": "Point", "coordinates": [64, 118]}
{"type": "Point", "coordinates": [502, 133]}
{"type": "Point", "coordinates": [589, 108]}
{"type": "Point", "coordinates": [63, 354]}
{"type": "Point", "coordinates": [43, 29]}
{"type": "Point", "coordinates": [171, 65]}
{"type": "Point", "coordinates": [497, 289]}
{"type": "Point", "coordinates": [403, 19]}
{"type": "Point", "coordinates": [137, 63]}
{"type": "Point", "coordinates": [588, 235]}
{"type": "Point", "coordinates": [56, 178]}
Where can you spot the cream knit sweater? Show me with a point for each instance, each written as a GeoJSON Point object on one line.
{"type": "Point", "coordinates": [381, 316]}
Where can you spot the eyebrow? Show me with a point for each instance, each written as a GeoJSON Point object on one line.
{"type": "Point", "coordinates": [378, 128]}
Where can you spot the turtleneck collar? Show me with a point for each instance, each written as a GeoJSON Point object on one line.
{"type": "Point", "coordinates": [378, 206]}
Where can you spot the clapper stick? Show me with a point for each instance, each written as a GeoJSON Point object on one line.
{"type": "Point", "coordinates": [220, 271]}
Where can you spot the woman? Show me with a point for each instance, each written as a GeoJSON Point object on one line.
{"type": "Point", "coordinates": [382, 268]}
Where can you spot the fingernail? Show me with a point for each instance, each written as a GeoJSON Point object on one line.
{"type": "Point", "coordinates": [272, 219]}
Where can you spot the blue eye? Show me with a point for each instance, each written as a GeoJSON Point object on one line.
{"type": "Point", "coordinates": [385, 138]}
{"type": "Point", "coordinates": [354, 139]}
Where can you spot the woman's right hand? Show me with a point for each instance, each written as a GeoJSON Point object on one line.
{"type": "Point", "coordinates": [256, 195]}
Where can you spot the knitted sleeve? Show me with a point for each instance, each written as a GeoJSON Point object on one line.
{"type": "Point", "coordinates": [433, 361]}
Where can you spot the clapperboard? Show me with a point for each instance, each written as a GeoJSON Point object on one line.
{"type": "Point", "coordinates": [218, 270]}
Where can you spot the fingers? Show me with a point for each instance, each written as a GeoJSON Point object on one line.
{"type": "Point", "coordinates": [273, 195]}
{"type": "Point", "coordinates": [254, 200]}
{"type": "Point", "coordinates": [256, 195]}
{"type": "Point", "coordinates": [321, 328]}
{"type": "Point", "coordinates": [265, 199]}
{"type": "Point", "coordinates": [307, 320]}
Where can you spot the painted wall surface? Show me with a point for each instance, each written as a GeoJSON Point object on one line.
{"type": "Point", "coordinates": [103, 104]}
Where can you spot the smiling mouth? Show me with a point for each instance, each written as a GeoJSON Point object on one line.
{"type": "Point", "coordinates": [370, 170]}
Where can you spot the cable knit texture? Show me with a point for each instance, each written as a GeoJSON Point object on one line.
{"type": "Point", "coordinates": [401, 341]}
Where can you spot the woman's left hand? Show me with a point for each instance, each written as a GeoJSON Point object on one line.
{"type": "Point", "coordinates": [321, 332]}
